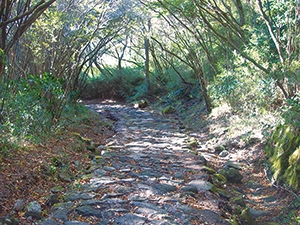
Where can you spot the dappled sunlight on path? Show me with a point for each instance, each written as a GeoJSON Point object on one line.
{"type": "Point", "coordinates": [150, 172]}
{"type": "Point", "coordinates": [145, 174]}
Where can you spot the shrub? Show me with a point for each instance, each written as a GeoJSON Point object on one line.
{"type": "Point", "coordinates": [117, 84]}
{"type": "Point", "coordinates": [33, 106]}
{"type": "Point", "coordinates": [243, 91]}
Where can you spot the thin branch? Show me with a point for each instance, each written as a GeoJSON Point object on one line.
{"type": "Point", "coordinates": [273, 36]}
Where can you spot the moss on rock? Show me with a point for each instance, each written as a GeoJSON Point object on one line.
{"type": "Point", "coordinates": [141, 104]}
{"type": "Point", "coordinates": [283, 150]}
{"type": "Point", "coordinates": [232, 175]}
{"type": "Point", "coordinates": [192, 143]}
{"type": "Point", "coordinates": [168, 110]}
{"type": "Point", "coordinates": [246, 217]}
{"type": "Point", "coordinates": [208, 170]}
{"type": "Point", "coordinates": [220, 178]}
{"type": "Point", "coordinates": [239, 200]}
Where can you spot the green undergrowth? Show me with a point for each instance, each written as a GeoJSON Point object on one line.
{"type": "Point", "coordinates": [33, 126]}
{"type": "Point", "coordinates": [35, 108]}
{"type": "Point", "coordinates": [115, 84]}
{"type": "Point", "coordinates": [130, 84]}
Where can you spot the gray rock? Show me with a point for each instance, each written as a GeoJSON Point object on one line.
{"type": "Point", "coordinates": [96, 183]}
{"type": "Point", "coordinates": [114, 201]}
{"type": "Point", "coordinates": [270, 199]}
{"type": "Point", "coordinates": [53, 199]}
{"type": "Point", "coordinates": [109, 168]}
{"type": "Point", "coordinates": [223, 194]}
{"type": "Point", "coordinates": [136, 198]}
{"type": "Point", "coordinates": [232, 175]}
{"type": "Point", "coordinates": [48, 222]}
{"type": "Point", "coordinates": [99, 172]}
{"type": "Point", "coordinates": [165, 188]}
{"type": "Point", "coordinates": [186, 209]}
{"type": "Point", "coordinates": [19, 205]}
{"type": "Point", "coordinates": [224, 153]}
{"type": "Point", "coordinates": [258, 192]}
{"type": "Point", "coordinates": [201, 159]}
{"type": "Point", "coordinates": [149, 188]}
{"type": "Point", "coordinates": [64, 176]}
{"type": "Point", "coordinates": [9, 221]}
{"type": "Point", "coordinates": [211, 217]}
{"type": "Point", "coordinates": [60, 210]}
{"type": "Point", "coordinates": [123, 189]}
{"type": "Point", "coordinates": [88, 211]}
{"type": "Point", "coordinates": [76, 195]}
{"type": "Point", "coordinates": [75, 223]}
{"type": "Point", "coordinates": [126, 180]}
{"type": "Point", "coordinates": [130, 219]}
{"type": "Point", "coordinates": [201, 185]}
{"type": "Point", "coordinates": [104, 222]}
{"type": "Point", "coordinates": [192, 189]}
{"type": "Point", "coordinates": [253, 185]}
{"type": "Point", "coordinates": [179, 175]}
{"type": "Point", "coordinates": [246, 216]}
{"type": "Point", "coordinates": [234, 165]}
{"type": "Point", "coordinates": [111, 195]}
{"type": "Point", "coordinates": [34, 210]}
{"type": "Point", "coordinates": [220, 148]}
{"type": "Point", "coordinates": [62, 206]}
{"type": "Point", "coordinates": [125, 170]}
{"type": "Point", "coordinates": [133, 174]}
{"type": "Point", "coordinates": [149, 173]}
{"type": "Point", "coordinates": [239, 200]}
{"type": "Point", "coordinates": [162, 222]}
{"type": "Point", "coordinates": [61, 214]}
{"type": "Point", "coordinates": [102, 147]}
{"type": "Point", "coordinates": [78, 165]}
{"type": "Point", "coordinates": [91, 202]}
{"type": "Point", "coordinates": [57, 189]}
{"type": "Point", "coordinates": [259, 213]}
{"type": "Point", "coordinates": [118, 210]}
{"type": "Point", "coordinates": [144, 207]}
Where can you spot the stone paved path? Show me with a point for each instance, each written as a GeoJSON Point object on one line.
{"type": "Point", "coordinates": [144, 175]}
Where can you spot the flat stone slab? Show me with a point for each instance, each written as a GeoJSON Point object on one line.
{"type": "Point", "coordinates": [165, 188]}
{"type": "Point", "coordinates": [87, 210]}
{"type": "Point", "coordinates": [130, 219]}
{"type": "Point", "coordinates": [190, 188]}
{"type": "Point", "coordinates": [212, 218]}
{"type": "Point", "coordinates": [48, 222]}
{"type": "Point", "coordinates": [201, 185]}
{"type": "Point", "coordinates": [259, 213]}
{"type": "Point", "coordinates": [98, 182]}
{"type": "Point", "coordinates": [75, 223]}
{"type": "Point", "coordinates": [76, 195]}
{"type": "Point", "coordinates": [148, 208]}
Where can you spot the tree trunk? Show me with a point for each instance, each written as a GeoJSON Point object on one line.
{"type": "Point", "coordinates": [147, 73]}
{"type": "Point", "coordinates": [8, 35]}
{"type": "Point", "coordinates": [240, 9]}
{"type": "Point", "coordinates": [272, 34]}
{"type": "Point", "coordinates": [204, 91]}
{"type": "Point", "coordinates": [147, 57]}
